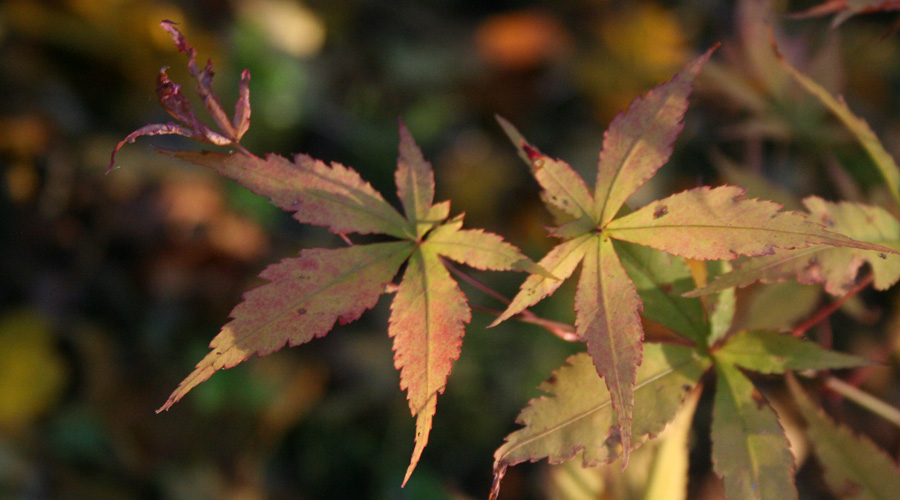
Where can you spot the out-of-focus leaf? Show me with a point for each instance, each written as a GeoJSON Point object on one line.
{"type": "Point", "coordinates": [845, 9]}
{"type": "Point", "coordinates": [669, 474]}
{"type": "Point", "coordinates": [176, 104]}
{"type": "Point", "coordinates": [836, 267]}
{"type": "Point", "coordinates": [719, 224]}
{"type": "Point", "coordinates": [857, 126]}
{"type": "Point", "coordinates": [577, 415]}
{"type": "Point", "coordinates": [778, 306]}
{"type": "Point", "coordinates": [854, 467]}
{"type": "Point", "coordinates": [770, 352]}
{"type": "Point", "coordinates": [749, 449]}
{"type": "Point", "coordinates": [32, 371]}
{"type": "Point", "coordinates": [756, 185]}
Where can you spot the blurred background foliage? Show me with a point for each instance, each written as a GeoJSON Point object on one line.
{"type": "Point", "coordinates": [111, 286]}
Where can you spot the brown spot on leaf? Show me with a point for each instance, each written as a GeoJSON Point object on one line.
{"type": "Point", "coordinates": [301, 311]}
{"type": "Point", "coordinates": [882, 255]}
{"type": "Point", "coordinates": [758, 398]}
{"type": "Point", "coordinates": [660, 211]}
{"type": "Point", "coordinates": [533, 154]}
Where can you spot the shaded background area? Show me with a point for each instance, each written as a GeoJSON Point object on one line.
{"type": "Point", "coordinates": [111, 286]}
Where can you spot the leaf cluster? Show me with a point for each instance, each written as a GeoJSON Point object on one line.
{"type": "Point", "coordinates": [664, 264]}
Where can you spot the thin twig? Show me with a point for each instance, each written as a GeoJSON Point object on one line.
{"type": "Point", "coordinates": [474, 282]}
{"type": "Point", "coordinates": [829, 309]}
{"type": "Point", "coordinates": [562, 330]}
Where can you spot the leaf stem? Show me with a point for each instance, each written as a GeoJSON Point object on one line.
{"type": "Point", "coordinates": [829, 309]}
{"type": "Point", "coordinates": [562, 330]}
{"type": "Point", "coordinates": [864, 399]}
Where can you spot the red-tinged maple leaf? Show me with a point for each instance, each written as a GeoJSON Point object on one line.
{"type": "Point", "coordinates": [836, 267]}
{"type": "Point", "coordinates": [176, 104]}
{"type": "Point", "coordinates": [704, 223]}
{"type": "Point", "coordinates": [307, 295]}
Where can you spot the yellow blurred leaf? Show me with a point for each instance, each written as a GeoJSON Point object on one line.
{"type": "Point", "coordinates": [32, 372]}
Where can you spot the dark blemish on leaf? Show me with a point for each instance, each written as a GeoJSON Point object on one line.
{"type": "Point", "coordinates": [813, 262]}
{"type": "Point", "coordinates": [295, 203]}
{"type": "Point", "coordinates": [758, 398]}
{"type": "Point", "coordinates": [660, 211]}
{"type": "Point", "coordinates": [828, 221]}
{"type": "Point", "coordinates": [666, 287]}
{"type": "Point", "coordinates": [301, 311]}
{"type": "Point", "coordinates": [533, 154]}
{"type": "Point", "coordinates": [882, 255]}
{"type": "Point", "coordinates": [218, 353]}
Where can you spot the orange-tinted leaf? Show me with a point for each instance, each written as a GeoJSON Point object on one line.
{"type": "Point", "coordinates": [719, 224]}
{"type": "Point", "coordinates": [305, 297]}
{"type": "Point", "coordinates": [836, 267]}
{"type": "Point", "coordinates": [606, 317]}
{"type": "Point", "coordinates": [333, 196]}
{"type": "Point", "coordinates": [428, 318]}
{"type": "Point", "coordinates": [639, 141]}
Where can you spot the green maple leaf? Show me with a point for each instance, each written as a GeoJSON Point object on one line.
{"type": "Point", "coordinates": [308, 294]}
{"type": "Point", "coordinates": [749, 448]}
{"type": "Point", "coordinates": [577, 416]}
{"type": "Point", "coordinates": [704, 223]}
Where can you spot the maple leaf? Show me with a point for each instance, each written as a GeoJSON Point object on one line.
{"type": "Point", "coordinates": [577, 416]}
{"type": "Point", "coordinates": [749, 449]}
{"type": "Point", "coordinates": [704, 223]}
{"type": "Point", "coordinates": [836, 267]}
{"type": "Point", "coordinates": [307, 295]}
{"type": "Point", "coordinates": [176, 104]}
